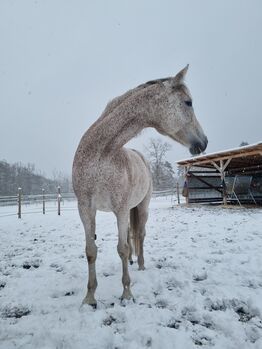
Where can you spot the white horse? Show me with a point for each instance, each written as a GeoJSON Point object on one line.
{"type": "Point", "coordinates": [109, 177]}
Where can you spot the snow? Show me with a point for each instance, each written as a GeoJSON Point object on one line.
{"type": "Point", "coordinates": [221, 153]}
{"type": "Point", "coordinates": [202, 285]}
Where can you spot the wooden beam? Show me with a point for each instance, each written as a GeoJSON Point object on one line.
{"type": "Point", "coordinates": [227, 163]}
{"type": "Point", "coordinates": [203, 181]}
{"type": "Point", "coordinates": [216, 166]}
{"type": "Point", "coordinates": [221, 168]}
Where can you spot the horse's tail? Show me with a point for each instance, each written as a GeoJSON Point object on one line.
{"type": "Point", "coordinates": [134, 229]}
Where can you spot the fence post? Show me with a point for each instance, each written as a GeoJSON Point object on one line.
{"type": "Point", "coordinates": [177, 193]}
{"type": "Point", "coordinates": [43, 192]}
{"type": "Point", "coordinates": [19, 201]}
{"type": "Point", "coordinates": [59, 201]}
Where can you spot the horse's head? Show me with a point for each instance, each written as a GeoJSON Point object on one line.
{"type": "Point", "coordinates": [177, 119]}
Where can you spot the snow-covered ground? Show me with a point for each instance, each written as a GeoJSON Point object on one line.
{"type": "Point", "coordinates": [202, 285]}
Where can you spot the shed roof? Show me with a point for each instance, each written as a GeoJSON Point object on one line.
{"type": "Point", "coordinates": [249, 156]}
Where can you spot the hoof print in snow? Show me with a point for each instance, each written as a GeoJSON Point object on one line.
{"type": "Point", "coordinates": [57, 267]}
{"type": "Point", "coordinates": [194, 322]}
{"type": "Point", "coordinates": [109, 320]}
{"type": "Point", "coordinates": [208, 325]}
{"type": "Point", "coordinates": [173, 284]}
{"type": "Point", "coordinates": [70, 293]}
{"type": "Point", "coordinates": [26, 266]}
{"type": "Point", "coordinates": [145, 304]}
{"type": "Point", "coordinates": [2, 284]}
{"type": "Point", "coordinates": [148, 343]}
{"type": "Point", "coordinates": [200, 276]}
{"type": "Point", "coordinates": [31, 264]}
{"type": "Point", "coordinates": [162, 304]}
{"type": "Point", "coordinates": [174, 324]}
{"type": "Point", "coordinates": [15, 312]}
{"type": "Point", "coordinates": [201, 341]}
{"type": "Point", "coordinates": [161, 263]}
{"type": "Point", "coordinates": [218, 305]}
{"type": "Point", "coordinates": [107, 274]}
{"type": "Point", "coordinates": [245, 314]}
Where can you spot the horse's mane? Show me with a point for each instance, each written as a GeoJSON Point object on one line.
{"type": "Point", "coordinates": [120, 99]}
{"type": "Point", "coordinates": [117, 101]}
{"type": "Point", "coordinates": [153, 82]}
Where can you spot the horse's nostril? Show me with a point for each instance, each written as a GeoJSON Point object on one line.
{"type": "Point", "coordinates": [197, 147]}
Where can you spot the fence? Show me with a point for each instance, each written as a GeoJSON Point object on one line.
{"type": "Point", "coordinates": [40, 203]}
{"type": "Point", "coordinates": [55, 202]}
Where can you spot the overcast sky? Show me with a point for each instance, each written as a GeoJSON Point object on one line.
{"type": "Point", "coordinates": [61, 61]}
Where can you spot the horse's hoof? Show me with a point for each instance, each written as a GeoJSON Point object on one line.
{"type": "Point", "coordinates": [126, 297]}
{"type": "Point", "coordinates": [141, 267]}
{"type": "Point", "coordinates": [92, 303]}
{"type": "Point", "coordinates": [131, 262]}
{"type": "Point", "coordinates": [124, 301]}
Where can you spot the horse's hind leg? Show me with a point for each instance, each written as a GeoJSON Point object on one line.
{"type": "Point", "coordinates": [130, 247]}
{"type": "Point", "coordinates": [142, 219]}
{"type": "Point", "coordinates": [87, 215]}
{"type": "Point", "coordinates": [123, 251]}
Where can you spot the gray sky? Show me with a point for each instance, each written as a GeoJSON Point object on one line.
{"type": "Point", "coordinates": [61, 61]}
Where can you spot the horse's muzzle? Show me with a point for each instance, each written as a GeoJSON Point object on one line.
{"type": "Point", "coordinates": [198, 147]}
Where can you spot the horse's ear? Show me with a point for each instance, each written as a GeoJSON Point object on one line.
{"type": "Point", "coordinates": [179, 78]}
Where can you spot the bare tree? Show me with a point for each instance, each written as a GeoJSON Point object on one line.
{"type": "Point", "coordinates": [162, 171]}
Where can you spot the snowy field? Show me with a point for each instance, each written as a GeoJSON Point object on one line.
{"type": "Point", "coordinates": [202, 286]}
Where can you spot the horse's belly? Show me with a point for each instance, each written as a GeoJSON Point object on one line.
{"type": "Point", "coordinates": [103, 202]}
{"type": "Point", "coordinates": [108, 201]}
{"type": "Point", "coordinates": [138, 194]}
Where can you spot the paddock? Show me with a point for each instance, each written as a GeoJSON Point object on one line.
{"type": "Point", "coordinates": [227, 177]}
{"type": "Point", "coordinates": [201, 276]}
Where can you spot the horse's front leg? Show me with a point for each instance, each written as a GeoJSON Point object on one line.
{"type": "Point", "coordinates": [123, 251]}
{"type": "Point", "coordinates": [87, 215]}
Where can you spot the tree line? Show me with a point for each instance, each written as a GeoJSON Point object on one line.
{"type": "Point", "coordinates": [13, 176]}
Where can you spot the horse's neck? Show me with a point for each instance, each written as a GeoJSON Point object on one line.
{"type": "Point", "coordinates": [114, 130]}
{"type": "Point", "coordinates": [111, 133]}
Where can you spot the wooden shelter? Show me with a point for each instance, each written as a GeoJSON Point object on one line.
{"type": "Point", "coordinates": [216, 177]}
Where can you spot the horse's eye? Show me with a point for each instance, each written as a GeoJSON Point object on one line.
{"type": "Point", "coordinates": [188, 103]}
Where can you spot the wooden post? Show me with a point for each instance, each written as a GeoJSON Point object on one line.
{"type": "Point", "coordinates": [59, 201]}
{"type": "Point", "coordinates": [177, 193]}
{"type": "Point", "coordinates": [19, 201]}
{"type": "Point", "coordinates": [224, 189]}
{"type": "Point", "coordinates": [43, 192]}
{"type": "Point", "coordinates": [221, 170]}
{"type": "Point", "coordinates": [186, 184]}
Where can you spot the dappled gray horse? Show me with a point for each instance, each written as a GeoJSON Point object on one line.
{"type": "Point", "coordinates": [109, 177]}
